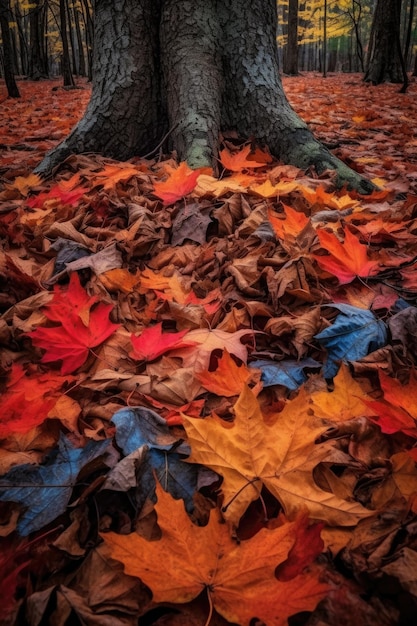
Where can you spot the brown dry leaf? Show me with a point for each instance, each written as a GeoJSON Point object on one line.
{"type": "Point", "coordinates": [302, 328]}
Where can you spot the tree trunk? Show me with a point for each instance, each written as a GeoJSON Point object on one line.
{"type": "Point", "coordinates": [81, 59]}
{"type": "Point", "coordinates": [290, 65]}
{"type": "Point", "coordinates": [384, 63]}
{"type": "Point", "coordinates": [37, 62]}
{"type": "Point", "coordinates": [66, 65]}
{"type": "Point", "coordinates": [216, 69]}
{"type": "Point", "coordinates": [11, 85]}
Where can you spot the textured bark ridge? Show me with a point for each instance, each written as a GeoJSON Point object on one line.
{"type": "Point", "coordinates": [195, 68]}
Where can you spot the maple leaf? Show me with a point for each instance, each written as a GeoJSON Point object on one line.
{"type": "Point", "coordinates": [180, 182]}
{"type": "Point", "coordinates": [292, 224]}
{"type": "Point", "coordinates": [152, 343]}
{"type": "Point", "coordinates": [238, 161]}
{"type": "Point", "coordinates": [59, 194]}
{"type": "Point", "coordinates": [321, 197]}
{"type": "Point", "coordinates": [268, 190]}
{"type": "Point", "coordinates": [24, 183]}
{"type": "Point", "coordinates": [28, 400]}
{"type": "Point", "coordinates": [347, 260]}
{"type": "Point", "coordinates": [344, 402]}
{"type": "Point", "coordinates": [211, 186]}
{"type": "Point", "coordinates": [239, 578]}
{"type": "Point", "coordinates": [249, 453]}
{"type": "Point", "coordinates": [289, 373]}
{"type": "Point", "coordinates": [207, 340]}
{"type": "Point", "coordinates": [397, 412]}
{"type": "Point", "coordinates": [112, 174]}
{"type": "Point", "coordinates": [228, 379]}
{"type": "Point", "coordinates": [44, 490]}
{"type": "Point", "coordinates": [354, 334]}
{"type": "Point", "coordinates": [73, 302]}
{"type": "Point", "coordinates": [80, 327]}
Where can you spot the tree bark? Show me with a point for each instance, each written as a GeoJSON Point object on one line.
{"type": "Point", "coordinates": [217, 69]}
{"type": "Point", "coordinates": [11, 85]}
{"type": "Point", "coordinates": [384, 62]}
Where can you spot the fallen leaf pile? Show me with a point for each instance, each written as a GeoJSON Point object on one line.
{"type": "Point", "coordinates": [208, 386]}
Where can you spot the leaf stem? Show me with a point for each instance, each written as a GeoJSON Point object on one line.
{"type": "Point", "coordinates": [210, 601]}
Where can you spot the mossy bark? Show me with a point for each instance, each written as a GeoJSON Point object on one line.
{"type": "Point", "coordinates": [195, 67]}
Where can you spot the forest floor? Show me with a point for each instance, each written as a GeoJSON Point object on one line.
{"type": "Point", "coordinates": [237, 349]}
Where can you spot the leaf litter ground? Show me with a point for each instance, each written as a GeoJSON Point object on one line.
{"type": "Point", "coordinates": [231, 356]}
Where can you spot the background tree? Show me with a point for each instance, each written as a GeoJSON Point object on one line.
{"type": "Point", "coordinates": [38, 62]}
{"type": "Point", "coordinates": [290, 64]}
{"type": "Point", "coordinates": [5, 18]}
{"type": "Point", "coordinates": [65, 58]}
{"type": "Point", "coordinates": [384, 62]}
{"type": "Point", "coordinates": [214, 68]}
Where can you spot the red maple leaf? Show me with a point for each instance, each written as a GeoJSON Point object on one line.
{"type": "Point", "coordinates": [397, 410]}
{"type": "Point", "coordinates": [79, 328]}
{"type": "Point", "coordinates": [28, 399]}
{"type": "Point", "coordinates": [152, 343]}
{"type": "Point", "coordinates": [59, 193]}
{"type": "Point", "coordinates": [347, 259]}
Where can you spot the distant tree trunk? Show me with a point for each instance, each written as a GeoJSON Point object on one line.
{"type": "Point", "coordinates": [23, 44]}
{"type": "Point", "coordinates": [5, 18]}
{"type": "Point", "coordinates": [89, 36]}
{"type": "Point", "coordinates": [325, 40]}
{"type": "Point", "coordinates": [81, 58]}
{"type": "Point", "coordinates": [355, 15]}
{"type": "Point", "coordinates": [37, 62]}
{"type": "Point", "coordinates": [384, 63]}
{"type": "Point", "coordinates": [290, 64]}
{"type": "Point", "coordinates": [66, 65]}
{"type": "Point", "coordinates": [195, 67]}
{"type": "Point", "coordinates": [408, 33]}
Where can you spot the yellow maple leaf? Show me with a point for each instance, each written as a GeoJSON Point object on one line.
{"type": "Point", "coordinates": [281, 456]}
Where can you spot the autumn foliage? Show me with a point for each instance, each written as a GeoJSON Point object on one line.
{"type": "Point", "coordinates": [208, 380]}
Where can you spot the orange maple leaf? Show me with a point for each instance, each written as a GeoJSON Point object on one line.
{"type": "Point", "coordinates": [321, 197]}
{"type": "Point", "coordinates": [228, 379]}
{"type": "Point", "coordinates": [292, 224]}
{"type": "Point", "coordinates": [180, 182]}
{"type": "Point", "coordinates": [239, 578]}
{"type": "Point", "coordinates": [238, 161]}
{"type": "Point", "coordinates": [347, 259]}
{"type": "Point", "coordinates": [111, 174]}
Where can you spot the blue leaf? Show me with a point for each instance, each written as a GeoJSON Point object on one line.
{"type": "Point", "coordinates": [138, 426]}
{"type": "Point", "coordinates": [179, 478]}
{"type": "Point", "coordinates": [44, 490]}
{"type": "Point", "coordinates": [354, 334]}
{"type": "Point", "coordinates": [289, 373]}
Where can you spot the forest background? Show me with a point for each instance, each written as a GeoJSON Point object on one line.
{"type": "Point", "coordinates": [267, 280]}
{"type": "Point", "coordinates": [48, 38]}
